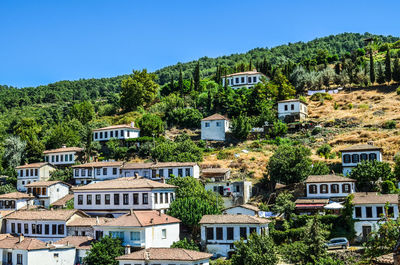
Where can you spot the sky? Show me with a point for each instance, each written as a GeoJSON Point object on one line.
{"type": "Point", "coordinates": [47, 41]}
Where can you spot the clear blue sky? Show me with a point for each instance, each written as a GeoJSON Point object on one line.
{"type": "Point", "coordinates": [47, 41]}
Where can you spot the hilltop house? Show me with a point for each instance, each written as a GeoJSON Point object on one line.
{"type": "Point", "coordinates": [353, 155]}
{"type": "Point", "coordinates": [233, 193]}
{"type": "Point", "coordinates": [64, 156]}
{"type": "Point", "coordinates": [291, 110]}
{"type": "Point", "coordinates": [97, 171]}
{"type": "Point", "coordinates": [15, 201]}
{"type": "Point", "coordinates": [368, 210]}
{"type": "Point", "coordinates": [329, 186]}
{"type": "Point", "coordinates": [162, 256]}
{"type": "Point", "coordinates": [161, 170]}
{"type": "Point", "coordinates": [216, 174]}
{"type": "Point", "coordinates": [214, 127]}
{"type": "Point", "coordinates": [46, 225]}
{"type": "Point", "coordinates": [84, 226]}
{"type": "Point", "coordinates": [82, 245]}
{"type": "Point", "coordinates": [245, 209]}
{"type": "Point", "coordinates": [218, 232]}
{"type": "Point", "coordinates": [121, 132]}
{"type": "Point", "coordinates": [243, 79]}
{"type": "Point", "coordinates": [31, 173]}
{"type": "Point", "coordinates": [142, 229]}
{"type": "Point", "coordinates": [118, 196]}
{"type": "Point", "coordinates": [47, 192]}
{"type": "Point", "coordinates": [30, 251]}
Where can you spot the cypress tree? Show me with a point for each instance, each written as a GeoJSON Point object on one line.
{"type": "Point", "coordinates": [226, 82]}
{"type": "Point", "coordinates": [196, 77]}
{"type": "Point", "coordinates": [191, 84]}
{"type": "Point", "coordinates": [180, 82]}
{"type": "Point", "coordinates": [337, 68]}
{"type": "Point", "coordinates": [380, 78]}
{"type": "Point", "coordinates": [396, 70]}
{"type": "Point", "coordinates": [250, 65]}
{"type": "Point", "coordinates": [171, 85]}
{"type": "Point", "coordinates": [388, 67]}
{"type": "Point", "coordinates": [371, 68]}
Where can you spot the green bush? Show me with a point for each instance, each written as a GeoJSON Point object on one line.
{"type": "Point", "coordinates": [324, 150]}
{"type": "Point", "coordinates": [389, 125]}
{"type": "Point", "coordinates": [350, 105]}
{"type": "Point", "coordinates": [363, 106]}
{"type": "Point", "coordinates": [321, 97]}
{"type": "Point", "coordinates": [335, 106]}
{"type": "Point", "coordinates": [316, 130]}
{"type": "Point", "coordinates": [398, 90]}
{"type": "Point", "coordinates": [224, 155]}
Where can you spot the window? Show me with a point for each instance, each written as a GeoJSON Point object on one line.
{"type": "Point", "coordinates": [101, 134]}
{"type": "Point", "coordinates": [26, 229]}
{"type": "Point", "coordinates": [243, 232]}
{"type": "Point", "coordinates": [114, 171]}
{"type": "Point", "coordinates": [237, 80]}
{"type": "Point", "coordinates": [9, 257]}
{"type": "Point", "coordinates": [89, 173]}
{"type": "Point", "coordinates": [291, 106]}
{"type": "Point", "coordinates": [39, 229]}
{"type": "Point", "coordinates": [57, 158]}
{"type": "Point", "coordinates": [121, 133]}
{"type": "Point", "coordinates": [161, 173]}
{"type": "Point", "coordinates": [111, 134]}
{"type": "Point", "coordinates": [390, 211]}
{"type": "Point", "coordinates": [32, 171]}
{"type": "Point", "coordinates": [106, 199]}
{"type": "Point", "coordinates": [36, 172]}
{"type": "Point", "coordinates": [161, 198]}
{"type": "Point", "coordinates": [372, 156]}
{"type": "Point", "coordinates": [66, 158]}
{"type": "Point", "coordinates": [242, 79]}
{"type": "Point", "coordinates": [254, 79]}
{"type": "Point", "coordinates": [363, 157]}
{"type": "Point", "coordinates": [54, 229]}
{"type": "Point", "coordinates": [89, 199]}
{"type": "Point", "coordinates": [135, 236]}
{"type": "Point", "coordinates": [145, 198]}
{"type": "Point", "coordinates": [218, 124]}
{"type": "Point", "coordinates": [76, 172]}
{"type": "Point", "coordinates": [80, 199]}
{"type": "Point", "coordinates": [229, 233]}
{"type": "Point", "coordinates": [170, 172]}
{"type": "Point", "coordinates": [249, 80]}
{"type": "Point", "coordinates": [369, 211]}
{"type": "Point", "coordinates": [210, 233]}
{"type": "Point", "coordinates": [13, 228]}
{"type": "Point", "coordinates": [346, 159]}
{"type": "Point", "coordinates": [104, 171]}
{"type": "Point", "coordinates": [207, 124]}
{"type": "Point", "coordinates": [323, 188]}
{"type": "Point", "coordinates": [61, 158]}
{"type": "Point", "coordinates": [44, 191]}
{"type": "Point", "coordinates": [61, 229]}
{"type": "Point", "coordinates": [83, 172]}
{"type": "Point", "coordinates": [346, 188]}
{"type": "Point", "coordinates": [187, 171]}
{"type": "Point", "coordinates": [125, 198]}
{"type": "Point", "coordinates": [253, 230]}
{"type": "Point", "coordinates": [70, 157]}
{"type": "Point", "coordinates": [355, 158]}
{"type": "Point", "coordinates": [219, 233]}
{"type": "Point", "coordinates": [156, 198]}
{"type": "Point", "coordinates": [334, 188]}
{"type": "Point", "coordinates": [33, 228]}
{"type": "Point", "coordinates": [180, 172]}
{"type": "Point", "coordinates": [115, 234]}
{"type": "Point", "coordinates": [116, 199]}
{"type": "Point", "coordinates": [166, 197]}
{"type": "Point", "coordinates": [379, 211]}
{"type": "Point", "coordinates": [98, 199]}
{"type": "Point", "coordinates": [135, 198]}
{"type": "Point", "coordinates": [19, 259]}
{"type": "Point", "coordinates": [46, 229]}
{"type": "Point", "coordinates": [95, 135]}
{"type": "Point", "coordinates": [98, 171]}
{"type": "Point", "coordinates": [312, 189]}
{"type": "Point", "coordinates": [164, 234]}
{"type": "Point", "coordinates": [171, 197]}
{"type": "Point", "coordinates": [286, 107]}
{"type": "Point", "coordinates": [19, 230]}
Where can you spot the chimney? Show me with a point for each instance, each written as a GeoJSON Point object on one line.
{"type": "Point", "coordinates": [64, 146]}
{"type": "Point", "coordinates": [97, 220]}
{"type": "Point", "coordinates": [146, 255]}
{"type": "Point", "coordinates": [67, 243]}
{"type": "Point", "coordinates": [159, 212]}
{"type": "Point", "coordinates": [132, 124]}
{"type": "Point", "coordinates": [130, 211]}
{"type": "Point", "coordinates": [127, 249]}
{"type": "Point", "coordinates": [136, 175]}
{"type": "Point", "coordinates": [21, 238]}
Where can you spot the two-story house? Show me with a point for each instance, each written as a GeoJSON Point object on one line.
{"type": "Point", "coordinates": [120, 132]}
{"type": "Point", "coordinates": [218, 232]}
{"type": "Point", "coordinates": [243, 79]}
{"type": "Point", "coordinates": [232, 192]}
{"type": "Point", "coordinates": [215, 127]}
{"type": "Point", "coordinates": [64, 156]}
{"type": "Point", "coordinates": [82, 245]}
{"type": "Point", "coordinates": [31, 173]}
{"type": "Point", "coordinates": [97, 171]}
{"type": "Point", "coordinates": [47, 192]}
{"type": "Point", "coordinates": [353, 155]}
{"type": "Point", "coordinates": [329, 186]}
{"type": "Point", "coordinates": [165, 256]}
{"type": "Point", "coordinates": [369, 208]}
{"type": "Point", "coordinates": [15, 201]}
{"type": "Point", "coordinates": [84, 226]}
{"type": "Point", "coordinates": [142, 229]}
{"type": "Point", "coordinates": [46, 225]}
{"type": "Point", "coordinates": [112, 198]}
{"type": "Point", "coordinates": [161, 170]}
{"type": "Point", "coordinates": [292, 110]}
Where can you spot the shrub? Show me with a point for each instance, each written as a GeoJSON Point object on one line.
{"type": "Point", "coordinates": [185, 118]}
{"type": "Point", "coordinates": [224, 155]}
{"type": "Point", "coordinates": [324, 150]}
{"type": "Point", "coordinates": [398, 90]}
{"type": "Point", "coordinates": [150, 124]}
{"type": "Point", "coordinates": [363, 106]}
{"type": "Point", "coordinates": [335, 106]}
{"type": "Point", "coordinates": [350, 105]}
{"type": "Point", "coordinates": [321, 97]}
{"type": "Point", "coordinates": [278, 129]}
{"type": "Point", "coordinates": [241, 127]}
{"type": "Point", "coordinates": [316, 130]}
{"type": "Point", "coordinates": [389, 125]}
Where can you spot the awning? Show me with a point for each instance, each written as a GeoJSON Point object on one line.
{"type": "Point", "coordinates": [333, 206]}
{"type": "Point", "coordinates": [309, 205]}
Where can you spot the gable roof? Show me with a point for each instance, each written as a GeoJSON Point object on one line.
{"type": "Point", "coordinates": [374, 198]}
{"type": "Point", "coordinates": [34, 165]}
{"type": "Point", "coordinates": [100, 164]}
{"type": "Point", "coordinates": [121, 126]}
{"type": "Point", "coordinates": [253, 72]}
{"type": "Point", "coordinates": [141, 219]}
{"type": "Point", "coordinates": [16, 196]}
{"type": "Point", "coordinates": [327, 178]}
{"type": "Point", "coordinates": [38, 215]}
{"type": "Point", "coordinates": [214, 171]}
{"type": "Point", "coordinates": [89, 221]}
{"type": "Point", "coordinates": [61, 202]}
{"type": "Point", "coordinates": [124, 183]}
{"type": "Point", "coordinates": [215, 117]}
{"type": "Point", "coordinates": [232, 219]}
{"type": "Point", "coordinates": [79, 242]}
{"type": "Point", "coordinates": [175, 254]}
{"type": "Point", "coordinates": [361, 147]}
{"type": "Point", "coordinates": [150, 165]}
{"type": "Point", "coordinates": [24, 243]}
{"type": "Point", "coordinates": [292, 100]}
{"type": "Point", "coordinates": [246, 206]}
{"type": "Point", "coordinates": [46, 183]}
{"type": "Point", "coordinates": [63, 149]}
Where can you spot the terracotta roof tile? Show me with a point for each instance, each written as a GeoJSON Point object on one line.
{"type": "Point", "coordinates": [384, 259]}
{"type": "Point", "coordinates": [142, 218]}
{"type": "Point", "coordinates": [130, 165]}
{"type": "Point", "coordinates": [63, 149]}
{"type": "Point", "coordinates": [214, 171]}
{"type": "Point", "coordinates": [293, 100]}
{"type": "Point", "coordinates": [89, 221]}
{"type": "Point", "coordinates": [327, 178]}
{"type": "Point", "coordinates": [61, 202]}
{"type": "Point", "coordinates": [215, 117]}
{"type": "Point", "coordinates": [100, 164]}
{"type": "Point", "coordinates": [62, 215]}
{"type": "Point", "coordinates": [244, 73]}
{"type": "Point", "coordinates": [121, 126]}
{"type": "Point", "coordinates": [34, 165]}
{"type": "Point", "coordinates": [45, 183]}
{"type": "Point", "coordinates": [79, 242]}
{"type": "Point", "coordinates": [124, 183]}
{"type": "Point", "coordinates": [16, 196]}
{"type": "Point", "coordinates": [361, 147]}
{"type": "Point", "coordinates": [24, 243]}
{"type": "Point", "coordinates": [232, 219]}
{"type": "Point", "coordinates": [175, 254]}
{"type": "Point", "coordinates": [374, 198]}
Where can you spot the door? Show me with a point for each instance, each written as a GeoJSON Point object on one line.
{"type": "Point", "coordinates": [366, 230]}
{"type": "Point", "coordinates": [221, 190]}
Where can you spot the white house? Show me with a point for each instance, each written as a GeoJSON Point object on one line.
{"type": "Point", "coordinates": [244, 209]}
{"type": "Point", "coordinates": [31, 173]}
{"type": "Point", "coordinates": [30, 251]}
{"type": "Point", "coordinates": [142, 229]}
{"type": "Point", "coordinates": [214, 127]}
{"type": "Point", "coordinates": [84, 226]}
{"type": "Point", "coordinates": [116, 197]}
{"type": "Point", "coordinates": [243, 79]}
{"type": "Point", "coordinates": [15, 201]}
{"type": "Point", "coordinates": [63, 156]}
{"type": "Point", "coordinates": [47, 192]}
{"type": "Point", "coordinates": [353, 155]}
{"type": "Point", "coordinates": [368, 210]}
{"type": "Point", "coordinates": [46, 225]}
{"type": "Point", "coordinates": [216, 174]}
{"type": "Point", "coordinates": [97, 171]}
{"type": "Point", "coordinates": [161, 170]}
{"type": "Point", "coordinates": [82, 245]}
{"type": "Point", "coordinates": [218, 232]}
{"type": "Point", "coordinates": [165, 256]}
{"type": "Point", "coordinates": [233, 192]}
{"type": "Point", "coordinates": [121, 132]}
{"type": "Point", "coordinates": [292, 110]}
{"type": "Point", "coordinates": [329, 186]}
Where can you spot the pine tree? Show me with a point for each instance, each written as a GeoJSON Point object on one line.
{"type": "Point", "coordinates": [396, 70]}
{"type": "Point", "coordinates": [388, 67]}
{"type": "Point", "coordinates": [380, 78]}
{"type": "Point", "coordinates": [180, 82]}
{"type": "Point", "coordinates": [371, 68]}
{"type": "Point", "coordinates": [196, 77]}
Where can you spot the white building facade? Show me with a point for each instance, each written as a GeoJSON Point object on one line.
{"type": "Point", "coordinates": [120, 132]}
{"type": "Point", "coordinates": [243, 79]}
{"type": "Point", "coordinates": [31, 173]}
{"type": "Point", "coordinates": [353, 155]}
{"type": "Point", "coordinates": [15, 201]}
{"type": "Point", "coordinates": [215, 127]}
{"type": "Point", "coordinates": [47, 192]}
{"type": "Point", "coordinates": [63, 156]}
{"type": "Point", "coordinates": [292, 107]}
{"type": "Point", "coordinates": [244, 209]}
{"type": "Point", "coordinates": [97, 171]}
{"type": "Point", "coordinates": [329, 186]}
{"type": "Point", "coordinates": [161, 170]}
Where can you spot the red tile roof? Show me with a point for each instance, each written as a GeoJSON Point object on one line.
{"type": "Point", "coordinates": [61, 202]}
{"type": "Point", "coordinates": [327, 178]}
{"type": "Point", "coordinates": [254, 72]}
{"type": "Point", "coordinates": [124, 183]}
{"type": "Point", "coordinates": [141, 219]}
{"type": "Point", "coordinates": [79, 242]}
{"type": "Point", "coordinates": [63, 149]}
{"type": "Point", "coordinates": [34, 165]}
{"type": "Point", "coordinates": [16, 196]}
{"type": "Point", "coordinates": [45, 183]}
{"type": "Point", "coordinates": [232, 219]}
{"type": "Point", "coordinates": [60, 215]}
{"type": "Point", "coordinates": [215, 117]}
{"type": "Point", "coordinates": [23, 243]}
{"type": "Point", "coordinates": [121, 126]}
{"type": "Point", "coordinates": [361, 147]}
{"type": "Point", "coordinates": [100, 164]}
{"type": "Point", "coordinates": [374, 198]}
{"type": "Point", "coordinates": [89, 221]}
{"type": "Point", "coordinates": [173, 254]}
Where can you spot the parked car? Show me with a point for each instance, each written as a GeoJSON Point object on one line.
{"type": "Point", "coordinates": [337, 242]}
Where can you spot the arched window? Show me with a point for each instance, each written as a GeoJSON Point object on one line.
{"type": "Point", "coordinates": [334, 188]}
{"type": "Point", "coordinates": [355, 158]}
{"type": "Point", "coordinates": [346, 188]}
{"type": "Point", "coordinates": [323, 188]}
{"type": "Point", "coordinates": [372, 156]}
{"type": "Point", "coordinates": [363, 157]}
{"type": "Point", "coordinates": [312, 189]}
{"type": "Point", "coordinates": [346, 159]}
